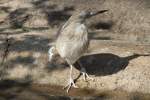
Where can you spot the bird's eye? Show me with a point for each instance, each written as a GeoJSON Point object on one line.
{"type": "Point", "coordinates": [91, 13]}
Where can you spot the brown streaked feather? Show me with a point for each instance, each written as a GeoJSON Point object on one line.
{"type": "Point", "coordinates": [72, 44]}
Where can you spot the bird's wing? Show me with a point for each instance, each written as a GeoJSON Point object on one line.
{"type": "Point", "coordinates": [67, 33]}
{"type": "Point", "coordinates": [62, 28]}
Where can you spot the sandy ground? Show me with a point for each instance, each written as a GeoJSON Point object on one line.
{"type": "Point", "coordinates": [14, 90]}
{"type": "Point", "coordinates": [118, 56]}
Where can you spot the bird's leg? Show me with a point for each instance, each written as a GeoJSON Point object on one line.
{"type": "Point", "coordinates": [84, 73]}
{"type": "Point", "coordinates": [51, 53]}
{"type": "Point", "coordinates": [71, 81]}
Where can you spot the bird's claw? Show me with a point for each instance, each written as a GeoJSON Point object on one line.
{"type": "Point", "coordinates": [69, 85]}
{"type": "Point", "coordinates": [86, 76]}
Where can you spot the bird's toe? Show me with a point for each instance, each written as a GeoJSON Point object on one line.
{"type": "Point", "coordinates": [86, 76]}
{"type": "Point", "coordinates": [70, 84]}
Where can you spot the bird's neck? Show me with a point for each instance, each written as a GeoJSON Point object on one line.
{"type": "Point", "coordinates": [77, 20]}
{"type": "Point", "coordinates": [82, 21]}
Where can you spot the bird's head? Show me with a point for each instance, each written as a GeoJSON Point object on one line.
{"type": "Point", "coordinates": [87, 14]}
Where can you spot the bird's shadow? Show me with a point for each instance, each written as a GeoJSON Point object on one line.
{"type": "Point", "coordinates": [105, 63]}
{"type": "Point", "coordinates": [101, 64]}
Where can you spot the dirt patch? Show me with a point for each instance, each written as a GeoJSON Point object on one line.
{"type": "Point", "coordinates": [16, 90]}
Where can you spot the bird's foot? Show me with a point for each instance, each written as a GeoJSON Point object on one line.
{"type": "Point", "coordinates": [70, 84]}
{"type": "Point", "coordinates": [86, 76]}
{"type": "Point", "coordinates": [51, 53]}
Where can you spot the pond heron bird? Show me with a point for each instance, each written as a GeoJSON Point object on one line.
{"type": "Point", "coordinates": [72, 42]}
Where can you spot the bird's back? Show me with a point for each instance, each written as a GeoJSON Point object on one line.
{"type": "Point", "coordinates": [72, 41]}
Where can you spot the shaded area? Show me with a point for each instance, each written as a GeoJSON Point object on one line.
{"type": "Point", "coordinates": [104, 28]}
{"type": "Point", "coordinates": [6, 44]}
{"type": "Point", "coordinates": [9, 89]}
{"type": "Point", "coordinates": [55, 15]}
{"type": "Point", "coordinates": [105, 63]}
{"type": "Point", "coordinates": [43, 5]}
{"type": "Point", "coordinates": [5, 9]}
{"type": "Point", "coordinates": [106, 25]}
{"type": "Point", "coordinates": [93, 35]}
{"type": "Point", "coordinates": [13, 31]}
{"type": "Point", "coordinates": [14, 22]}
{"type": "Point", "coordinates": [8, 84]}
{"type": "Point", "coordinates": [52, 66]}
{"type": "Point", "coordinates": [22, 60]}
{"type": "Point", "coordinates": [31, 43]}
{"type": "Point", "coordinates": [15, 18]}
{"type": "Point", "coordinates": [41, 9]}
{"type": "Point", "coordinates": [17, 90]}
{"type": "Point", "coordinates": [18, 17]}
{"type": "Point", "coordinates": [97, 64]}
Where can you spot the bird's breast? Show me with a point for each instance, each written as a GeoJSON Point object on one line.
{"type": "Point", "coordinates": [73, 42]}
{"type": "Point", "coordinates": [80, 29]}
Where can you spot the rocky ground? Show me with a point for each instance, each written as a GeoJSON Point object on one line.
{"type": "Point", "coordinates": [117, 59]}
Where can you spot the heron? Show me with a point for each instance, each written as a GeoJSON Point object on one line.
{"type": "Point", "coordinates": [72, 42]}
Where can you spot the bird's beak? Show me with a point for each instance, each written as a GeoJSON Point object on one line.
{"type": "Point", "coordinates": [96, 13]}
